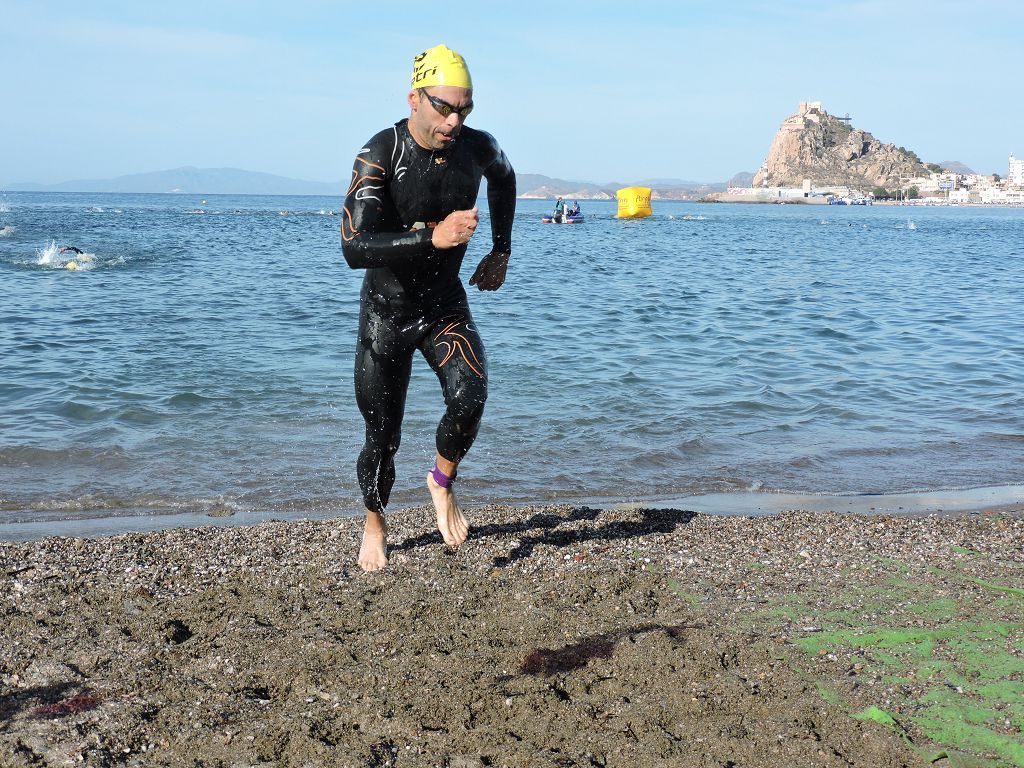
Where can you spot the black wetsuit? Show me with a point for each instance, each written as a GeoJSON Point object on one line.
{"type": "Point", "coordinates": [412, 297]}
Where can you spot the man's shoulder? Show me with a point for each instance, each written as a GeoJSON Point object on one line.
{"type": "Point", "coordinates": [486, 152]}
{"type": "Point", "coordinates": [478, 138]}
{"type": "Point", "coordinates": [483, 145]}
{"type": "Point", "coordinates": [384, 140]}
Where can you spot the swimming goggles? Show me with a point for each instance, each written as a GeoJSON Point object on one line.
{"type": "Point", "coordinates": [444, 108]}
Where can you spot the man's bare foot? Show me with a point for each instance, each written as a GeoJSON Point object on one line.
{"type": "Point", "coordinates": [450, 520]}
{"type": "Point", "coordinates": [373, 554]}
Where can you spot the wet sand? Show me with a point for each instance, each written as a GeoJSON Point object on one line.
{"type": "Point", "coordinates": [557, 636]}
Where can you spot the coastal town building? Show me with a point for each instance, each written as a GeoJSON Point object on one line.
{"type": "Point", "coordinates": [1015, 175]}
{"type": "Point", "coordinates": [1006, 196]}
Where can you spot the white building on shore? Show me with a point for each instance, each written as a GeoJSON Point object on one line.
{"type": "Point", "coordinates": [1015, 175]}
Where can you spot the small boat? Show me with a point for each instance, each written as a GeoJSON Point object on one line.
{"type": "Point", "coordinates": [562, 219]}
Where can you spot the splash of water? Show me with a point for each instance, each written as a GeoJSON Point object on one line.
{"type": "Point", "coordinates": [6, 230]}
{"type": "Point", "coordinates": [48, 256]}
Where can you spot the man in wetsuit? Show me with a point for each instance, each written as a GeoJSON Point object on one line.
{"type": "Point", "coordinates": [408, 217]}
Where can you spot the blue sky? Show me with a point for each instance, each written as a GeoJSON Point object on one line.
{"type": "Point", "coordinates": [618, 92]}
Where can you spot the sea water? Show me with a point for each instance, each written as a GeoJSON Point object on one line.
{"type": "Point", "coordinates": [199, 359]}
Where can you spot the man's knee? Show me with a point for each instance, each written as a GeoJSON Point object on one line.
{"type": "Point", "coordinates": [382, 443]}
{"type": "Point", "coordinates": [467, 400]}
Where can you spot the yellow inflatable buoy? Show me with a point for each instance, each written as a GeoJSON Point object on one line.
{"type": "Point", "coordinates": [71, 265]}
{"type": "Point", "coordinates": [634, 202]}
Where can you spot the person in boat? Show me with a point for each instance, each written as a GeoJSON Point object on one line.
{"type": "Point", "coordinates": [407, 220]}
{"type": "Point", "coordinates": [575, 209]}
{"type": "Point", "coordinates": [559, 210]}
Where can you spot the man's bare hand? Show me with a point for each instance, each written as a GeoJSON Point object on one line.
{"type": "Point", "coordinates": [490, 272]}
{"type": "Point", "coordinates": [456, 229]}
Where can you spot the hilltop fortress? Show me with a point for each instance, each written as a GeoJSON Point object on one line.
{"type": "Point", "coordinates": [814, 145]}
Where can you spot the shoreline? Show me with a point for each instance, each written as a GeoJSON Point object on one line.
{"type": "Point", "coordinates": [558, 635]}
{"type": "Point", "coordinates": [1002, 498]}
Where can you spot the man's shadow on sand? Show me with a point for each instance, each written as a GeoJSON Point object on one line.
{"type": "Point", "coordinates": [48, 702]}
{"type": "Point", "coordinates": [544, 528]}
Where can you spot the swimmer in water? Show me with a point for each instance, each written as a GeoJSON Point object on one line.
{"type": "Point", "coordinates": [408, 217]}
{"type": "Point", "coordinates": [71, 249]}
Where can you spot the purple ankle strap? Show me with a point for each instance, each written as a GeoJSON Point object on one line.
{"type": "Point", "coordinates": [441, 478]}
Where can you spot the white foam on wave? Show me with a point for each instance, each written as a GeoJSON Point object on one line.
{"type": "Point", "coordinates": [96, 209]}
{"type": "Point", "coordinates": [5, 208]}
{"type": "Point", "coordinates": [6, 230]}
{"type": "Point", "coordinates": [48, 255]}
{"type": "Point", "coordinates": [51, 257]}
{"type": "Point", "coordinates": [911, 224]}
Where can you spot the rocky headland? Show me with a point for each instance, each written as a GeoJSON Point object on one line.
{"type": "Point", "coordinates": [826, 149]}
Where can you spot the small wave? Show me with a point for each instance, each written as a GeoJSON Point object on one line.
{"type": "Point", "coordinates": [6, 230]}
{"type": "Point", "coordinates": [26, 456]}
{"type": "Point", "coordinates": [100, 505]}
{"type": "Point", "coordinates": [95, 209]}
{"type": "Point", "coordinates": [187, 399]}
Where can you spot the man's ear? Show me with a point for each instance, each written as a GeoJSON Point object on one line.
{"type": "Point", "coordinates": [414, 99]}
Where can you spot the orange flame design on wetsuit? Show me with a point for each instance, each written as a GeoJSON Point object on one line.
{"type": "Point", "coordinates": [358, 181]}
{"type": "Point", "coordinates": [457, 340]}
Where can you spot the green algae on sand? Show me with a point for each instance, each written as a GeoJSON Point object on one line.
{"type": "Point", "coordinates": [946, 645]}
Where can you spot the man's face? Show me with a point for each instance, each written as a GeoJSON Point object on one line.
{"type": "Point", "coordinates": [428, 126]}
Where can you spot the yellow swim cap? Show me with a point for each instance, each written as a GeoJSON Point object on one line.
{"type": "Point", "coordinates": [440, 65]}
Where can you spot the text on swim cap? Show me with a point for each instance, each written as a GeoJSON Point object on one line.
{"type": "Point", "coordinates": [421, 74]}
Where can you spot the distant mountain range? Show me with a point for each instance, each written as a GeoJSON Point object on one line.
{"type": "Point", "coordinates": [234, 181]}
{"type": "Point", "coordinates": [197, 181]}
{"type": "Point", "coordinates": [538, 186]}
{"type": "Point", "coordinates": [955, 166]}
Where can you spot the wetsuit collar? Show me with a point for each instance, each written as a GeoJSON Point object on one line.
{"type": "Point", "coordinates": [403, 125]}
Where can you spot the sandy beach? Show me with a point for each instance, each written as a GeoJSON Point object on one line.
{"type": "Point", "coordinates": [557, 636]}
